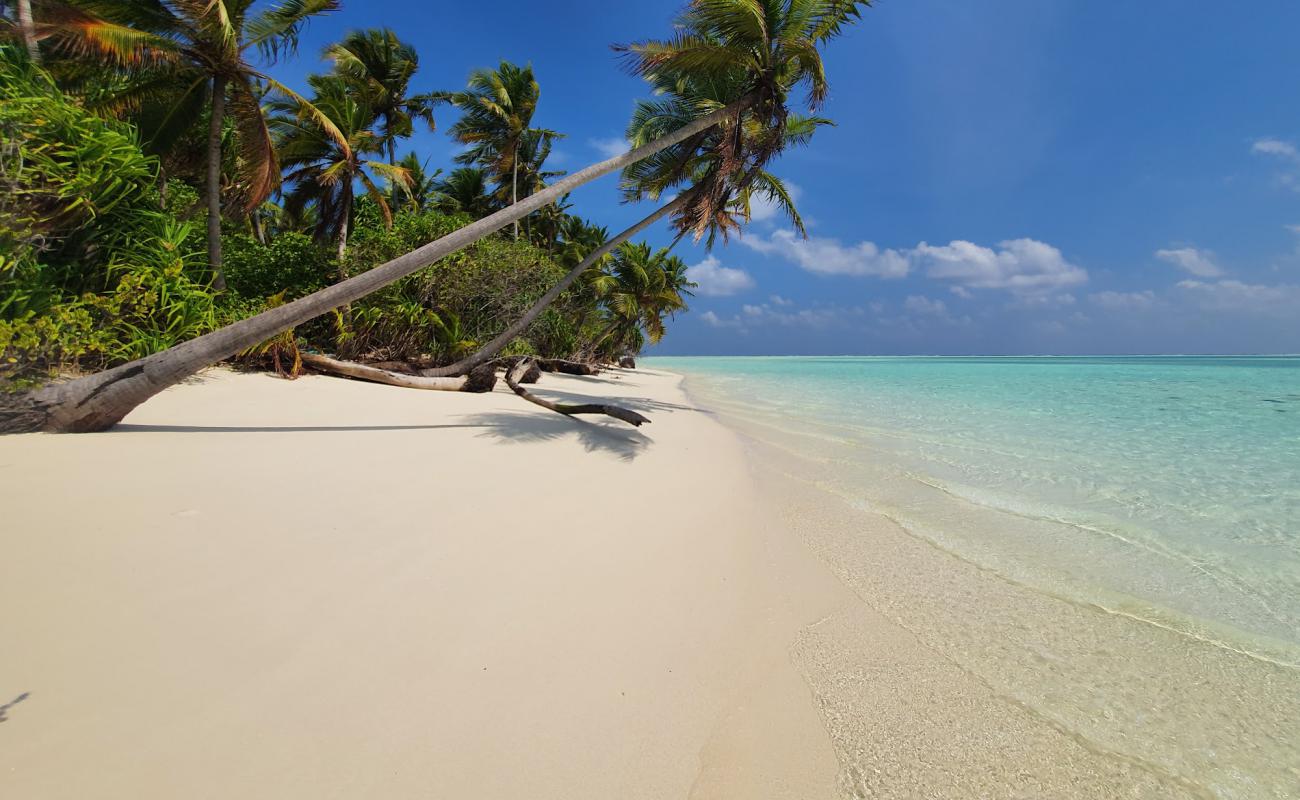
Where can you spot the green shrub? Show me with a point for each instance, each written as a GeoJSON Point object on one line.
{"type": "Point", "coordinates": [292, 263]}
{"type": "Point", "coordinates": [77, 194]}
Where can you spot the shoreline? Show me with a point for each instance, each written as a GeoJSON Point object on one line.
{"type": "Point", "coordinates": [1083, 700]}
{"type": "Point", "coordinates": [463, 595]}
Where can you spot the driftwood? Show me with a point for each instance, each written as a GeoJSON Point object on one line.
{"type": "Point", "coordinates": [566, 367]}
{"type": "Point", "coordinates": [532, 374]}
{"type": "Point", "coordinates": [481, 379]}
{"type": "Point", "coordinates": [568, 409]}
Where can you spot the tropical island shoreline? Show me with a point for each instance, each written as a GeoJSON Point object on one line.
{"type": "Point", "coordinates": [465, 595]}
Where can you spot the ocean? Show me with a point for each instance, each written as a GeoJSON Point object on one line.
{"type": "Point", "coordinates": [1157, 497]}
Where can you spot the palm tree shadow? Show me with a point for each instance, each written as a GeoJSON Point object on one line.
{"type": "Point", "coordinates": [4, 709]}
{"type": "Point", "coordinates": [129, 427]}
{"type": "Point", "coordinates": [643, 404]}
{"type": "Point", "coordinates": [596, 437]}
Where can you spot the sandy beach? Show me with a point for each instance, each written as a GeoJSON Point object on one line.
{"type": "Point", "coordinates": [326, 588]}
{"type": "Point", "coordinates": [330, 589]}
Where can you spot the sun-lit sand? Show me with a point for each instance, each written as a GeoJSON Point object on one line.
{"type": "Point", "coordinates": [258, 588]}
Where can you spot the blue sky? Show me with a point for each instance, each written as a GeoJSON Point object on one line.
{"type": "Point", "coordinates": [1015, 176]}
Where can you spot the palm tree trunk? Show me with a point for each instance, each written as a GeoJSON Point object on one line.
{"type": "Point", "coordinates": [28, 28]}
{"type": "Point", "coordinates": [343, 231]}
{"type": "Point", "coordinates": [97, 402]}
{"type": "Point", "coordinates": [514, 190]}
{"type": "Point", "coordinates": [214, 181]}
{"type": "Point", "coordinates": [489, 350]}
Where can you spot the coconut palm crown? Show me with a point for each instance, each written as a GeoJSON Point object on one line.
{"type": "Point", "coordinates": [756, 51]}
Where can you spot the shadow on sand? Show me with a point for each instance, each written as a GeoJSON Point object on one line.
{"type": "Point", "coordinates": [504, 426]}
{"type": "Point", "coordinates": [4, 709]}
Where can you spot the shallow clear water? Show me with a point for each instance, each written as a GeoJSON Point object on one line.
{"type": "Point", "coordinates": [1162, 488]}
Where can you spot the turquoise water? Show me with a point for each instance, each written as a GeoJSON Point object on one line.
{"type": "Point", "coordinates": [1162, 488]}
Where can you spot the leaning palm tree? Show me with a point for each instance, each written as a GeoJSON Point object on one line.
{"type": "Point", "coordinates": [496, 121]}
{"type": "Point", "coordinates": [752, 53]}
{"type": "Point", "coordinates": [203, 46]}
{"type": "Point", "coordinates": [380, 66]}
{"type": "Point", "coordinates": [323, 169]}
{"type": "Point", "coordinates": [99, 401]}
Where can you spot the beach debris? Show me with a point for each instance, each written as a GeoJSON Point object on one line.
{"type": "Point", "coordinates": [480, 379]}
{"type": "Point", "coordinates": [514, 374]}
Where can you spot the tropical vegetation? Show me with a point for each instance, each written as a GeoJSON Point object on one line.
{"type": "Point", "coordinates": [168, 204]}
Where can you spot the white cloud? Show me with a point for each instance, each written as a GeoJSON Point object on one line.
{"type": "Point", "coordinates": [1276, 147]}
{"type": "Point", "coordinates": [830, 257]}
{"type": "Point", "coordinates": [1243, 297]}
{"type": "Point", "coordinates": [614, 146]}
{"type": "Point", "coordinates": [764, 315]}
{"type": "Point", "coordinates": [778, 300]}
{"type": "Point", "coordinates": [918, 304]}
{"type": "Point", "coordinates": [1019, 265]}
{"type": "Point", "coordinates": [1293, 228]}
{"type": "Point", "coordinates": [1196, 262]}
{"type": "Point", "coordinates": [714, 321]}
{"type": "Point", "coordinates": [716, 280]}
{"type": "Point", "coordinates": [761, 209]}
{"type": "Point", "coordinates": [1124, 301]}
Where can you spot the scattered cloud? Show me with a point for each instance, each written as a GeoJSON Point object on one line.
{"type": "Point", "coordinates": [764, 315]}
{"type": "Point", "coordinates": [831, 257]}
{"type": "Point", "coordinates": [778, 300]}
{"type": "Point", "coordinates": [716, 280]}
{"type": "Point", "coordinates": [919, 304]}
{"type": "Point", "coordinates": [1024, 266]}
{"type": "Point", "coordinates": [613, 146]}
{"type": "Point", "coordinates": [1124, 301]}
{"type": "Point", "coordinates": [1196, 262]}
{"type": "Point", "coordinates": [1285, 152]}
{"type": "Point", "coordinates": [761, 209]}
{"type": "Point", "coordinates": [1236, 296]}
{"type": "Point", "coordinates": [1042, 301]}
{"type": "Point", "coordinates": [1276, 147]}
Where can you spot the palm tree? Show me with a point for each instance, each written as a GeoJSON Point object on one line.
{"type": "Point", "coordinates": [202, 45]}
{"type": "Point", "coordinates": [97, 402]}
{"type": "Point", "coordinates": [381, 67]}
{"type": "Point", "coordinates": [466, 191]}
{"type": "Point", "coordinates": [496, 121]}
{"type": "Point", "coordinates": [420, 190]}
{"type": "Point", "coordinates": [729, 52]}
{"type": "Point", "coordinates": [647, 286]}
{"type": "Point", "coordinates": [27, 28]}
{"type": "Point", "coordinates": [325, 169]}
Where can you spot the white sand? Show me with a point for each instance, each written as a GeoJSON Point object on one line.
{"type": "Point", "coordinates": [257, 588]}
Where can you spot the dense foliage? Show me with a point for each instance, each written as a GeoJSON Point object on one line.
{"type": "Point", "coordinates": [138, 127]}
{"type": "Point", "coordinates": [93, 271]}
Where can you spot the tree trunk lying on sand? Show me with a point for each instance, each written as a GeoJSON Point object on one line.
{"type": "Point", "coordinates": [569, 409]}
{"type": "Point", "coordinates": [567, 367]}
{"type": "Point", "coordinates": [481, 379]}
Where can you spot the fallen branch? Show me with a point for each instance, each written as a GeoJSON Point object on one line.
{"type": "Point", "coordinates": [514, 374]}
{"type": "Point", "coordinates": [566, 367]}
{"type": "Point", "coordinates": [481, 379]}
